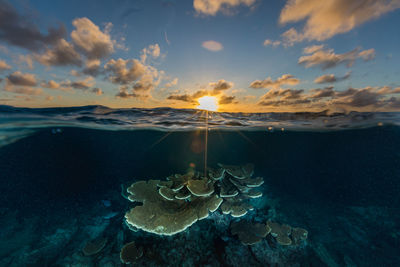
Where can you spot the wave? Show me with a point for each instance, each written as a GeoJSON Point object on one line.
{"type": "Point", "coordinates": [18, 122]}
{"type": "Point", "coordinates": [188, 119]}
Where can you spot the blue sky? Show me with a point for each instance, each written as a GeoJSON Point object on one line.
{"type": "Point", "coordinates": [251, 63]}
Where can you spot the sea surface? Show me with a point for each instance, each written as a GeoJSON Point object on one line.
{"type": "Point", "coordinates": [64, 172]}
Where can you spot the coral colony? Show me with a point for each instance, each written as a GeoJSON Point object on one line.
{"type": "Point", "coordinates": [170, 207]}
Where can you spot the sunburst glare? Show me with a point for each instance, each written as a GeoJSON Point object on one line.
{"type": "Point", "coordinates": [209, 103]}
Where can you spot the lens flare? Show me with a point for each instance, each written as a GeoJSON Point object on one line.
{"type": "Point", "coordinates": [209, 103]}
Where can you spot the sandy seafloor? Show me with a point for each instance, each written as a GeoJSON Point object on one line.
{"type": "Point", "coordinates": [61, 187]}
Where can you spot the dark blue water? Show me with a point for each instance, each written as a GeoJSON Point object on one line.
{"type": "Point", "coordinates": [342, 186]}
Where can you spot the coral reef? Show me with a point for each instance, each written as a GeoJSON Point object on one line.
{"type": "Point", "coordinates": [171, 206]}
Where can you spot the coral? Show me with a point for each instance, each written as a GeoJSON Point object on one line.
{"type": "Point", "coordinates": [286, 235]}
{"type": "Point", "coordinates": [235, 207]}
{"type": "Point", "coordinates": [237, 181]}
{"type": "Point", "coordinates": [249, 233]}
{"type": "Point", "coordinates": [236, 186]}
{"type": "Point", "coordinates": [298, 235]}
{"type": "Point", "coordinates": [171, 206]}
{"type": "Point", "coordinates": [166, 217]}
{"type": "Point", "coordinates": [94, 246]}
{"type": "Point", "coordinates": [130, 253]}
{"type": "Point", "coordinates": [200, 188]}
{"type": "Point", "coordinates": [281, 232]}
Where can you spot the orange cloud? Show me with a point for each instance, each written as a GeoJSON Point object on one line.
{"type": "Point", "coordinates": [331, 78]}
{"type": "Point", "coordinates": [324, 19]}
{"type": "Point", "coordinates": [63, 53]}
{"type": "Point", "coordinates": [326, 58]}
{"type": "Point", "coordinates": [212, 46]}
{"type": "Point", "coordinates": [212, 7]}
{"type": "Point", "coordinates": [93, 42]}
{"type": "Point", "coordinates": [286, 79]}
{"type": "Point", "coordinates": [4, 65]}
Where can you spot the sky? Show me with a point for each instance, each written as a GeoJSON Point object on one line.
{"type": "Point", "coordinates": [252, 55]}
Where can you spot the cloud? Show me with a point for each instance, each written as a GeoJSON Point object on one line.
{"type": "Point", "coordinates": [92, 67]}
{"type": "Point", "coordinates": [327, 78]}
{"type": "Point", "coordinates": [22, 83]}
{"type": "Point", "coordinates": [148, 81]}
{"type": "Point", "coordinates": [97, 91]}
{"type": "Point", "coordinates": [24, 90]}
{"type": "Point", "coordinates": [367, 54]}
{"type": "Point", "coordinates": [143, 78]}
{"type": "Point", "coordinates": [225, 100]}
{"type": "Point", "coordinates": [285, 79]}
{"type": "Point", "coordinates": [26, 59]}
{"type": "Point", "coordinates": [124, 93]}
{"type": "Point", "coordinates": [184, 97]}
{"type": "Point", "coordinates": [271, 43]}
{"type": "Point", "coordinates": [88, 38]}
{"type": "Point", "coordinates": [360, 99]}
{"type": "Point", "coordinates": [212, 7]}
{"type": "Point", "coordinates": [212, 46]}
{"type": "Point", "coordinates": [287, 103]}
{"type": "Point", "coordinates": [283, 94]}
{"type": "Point", "coordinates": [62, 54]}
{"type": "Point", "coordinates": [20, 79]}
{"type": "Point", "coordinates": [214, 89]}
{"type": "Point", "coordinates": [321, 93]}
{"type": "Point", "coordinates": [325, 19]}
{"type": "Point", "coordinates": [152, 50]}
{"type": "Point", "coordinates": [364, 97]}
{"type": "Point", "coordinates": [18, 30]}
{"type": "Point", "coordinates": [331, 78]}
{"type": "Point", "coordinates": [221, 85]}
{"type": "Point", "coordinates": [50, 84]}
{"type": "Point", "coordinates": [312, 49]}
{"type": "Point", "coordinates": [124, 71]}
{"type": "Point", "coordinates": [326, 58]}
{"type": "Point", "coordinates": [283, 97]}
{"type": "Point", "coordinates": [4, 65]}
{"type": "Point", "coordinates": [201, 93]}
{"type": "Point", "coordinates": [373, 97]}
{"type": "Point", "coordinates": [345, 93]}
{"type": "Point", "coordinates": [171, 83]}
{"type": "Point", "coordinates": [80, 84]}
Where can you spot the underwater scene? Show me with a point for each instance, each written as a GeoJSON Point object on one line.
{"type": "Point", "coordinates": [85, 187]}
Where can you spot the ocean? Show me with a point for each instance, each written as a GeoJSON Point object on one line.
{"type": "Point", "coordinates": [64, 176]}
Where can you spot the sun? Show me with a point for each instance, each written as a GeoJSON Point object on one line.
{"type": "Point", "coordinates": [209, 103]}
